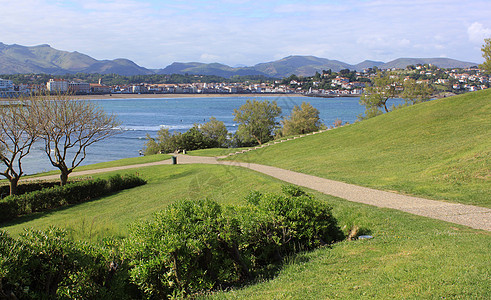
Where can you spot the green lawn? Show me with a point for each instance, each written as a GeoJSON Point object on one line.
{"type": "Point", "coordinates": [215, 151]}
{"type": "Point", "coordinates": [439, 149]}
{"type": "Point", "coordinates": [409, 256]}
{"type": "Point", "coordinates": [114, 163]}
{"type": "Point", "coordinates": [166, 184]}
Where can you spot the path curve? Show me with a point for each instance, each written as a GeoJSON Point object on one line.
{"type": "Point", "coordinates": [468, 215]}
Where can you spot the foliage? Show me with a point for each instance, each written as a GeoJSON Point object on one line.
{"type": "Point", "coordinates": [303, 119]}
{"type": "Point", "coordinates": [306, 223]}
{"type": "Point", "coordinates": [195, 246]}
{"type": "Point", "coordinates": [389, 85]}
{"type": "Point", "coordinates": [46, 265]}
{"type": "Point", "coordinates": [216, 132]}
{"type": "Point", "coordinates": [58, 196]}
{"type": "Point", "coordinates": [384, 86]}
{"type": "Point", "coordinates": [415, 92]}
{"type": "Point", "coordinates": [209, 135]}
{"type": "Point", "coordinates": [68, 127]}
{"type": "Point", "coordinates": [27, 187]}
{"type": "Point", "coordinates": [18, 132]}
{"type": "Point", "coordinates": [116, 79]}
{"type": "Point", "coordinates": [257, 121]}
{"type": "Point", "coordinates": [486, 54]}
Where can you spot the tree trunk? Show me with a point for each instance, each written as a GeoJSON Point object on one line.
{"type": "Point", "coordinates": [13, 185]}
{"type": "Point", "coordinates": [63, 177]}
{"type": "Point", "coordinates": [385, 105]}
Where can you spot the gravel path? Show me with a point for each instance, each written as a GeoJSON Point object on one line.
{"type": "Point", "coordinates": [468, 215]}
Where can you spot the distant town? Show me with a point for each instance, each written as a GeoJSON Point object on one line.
{"type": "Point", "coordinates": [325, 84]}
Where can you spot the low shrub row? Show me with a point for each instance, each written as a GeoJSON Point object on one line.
{"type": "Point", "coordinates": [192, 247]}
{"type": "Point", "coordinates": [28, 187]}
{"type": "Point", "coordinates": [46, 265]}
{"type": "Point", "coordinates": [58, 196]}
{"type": "Point", "coordinates": [187, 249]}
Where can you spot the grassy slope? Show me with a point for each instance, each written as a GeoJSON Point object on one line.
{"type": "Point", "coordinates": [439, 149]}
{"type": "Point", "coordinates": [109, 164]}
{"type": "Point", "coordinates": [410, 256]}
{"type": "Point", "coordinates": [214, 151]}
{"type": "Point", "coordinates": [111, 215]}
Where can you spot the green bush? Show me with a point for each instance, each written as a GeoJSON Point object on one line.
{"type": "Point", "coordinates": [305, 222]}
{"type": "Point", "coordinates": [46, 265]}
{"type": "Point", "coordinates": [58, 196]}
{"type": "Point", "coordinates": [195, 246]}
{"type": "Point", "coordinates": [28, 187]}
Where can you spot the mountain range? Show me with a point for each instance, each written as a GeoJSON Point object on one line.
{"type": "Point", "coordinates": [17, 59]}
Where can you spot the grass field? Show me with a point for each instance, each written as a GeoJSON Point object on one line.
{"type": "Point", "coordinates": [215, 151]}
{"type": "Point", "coordinates": [409, 256]}
{"type": "Point", "coordinates": [109, 164]}
{"type": "Point", "coordinates": [166, 184]}
{"type": "Point", "coordinates": [439, 149]}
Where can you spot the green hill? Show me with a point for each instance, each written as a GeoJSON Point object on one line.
{"type": "Point", "coordinates": [439, 149]}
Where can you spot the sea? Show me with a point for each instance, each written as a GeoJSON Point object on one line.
{"type": "Point", "coordinates": [140, 117]}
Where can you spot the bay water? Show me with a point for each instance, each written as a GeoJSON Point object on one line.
{"type": "Point", "coordinates": [140, 117]}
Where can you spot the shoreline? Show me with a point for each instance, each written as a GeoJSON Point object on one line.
{"type": "Point", "coordinates": [168, 96]}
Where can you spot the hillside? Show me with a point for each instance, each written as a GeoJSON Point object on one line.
{"type": "Point", "coordinates": [45, 59]}
{"type": "Point", "coordinates": [15, 59]}
{"type": "Point", "coordinates": [438, 149]}
{"type": "Point", "coordinates": [401, 63]}
{"type": "Point", "coordinates": [300, 66]}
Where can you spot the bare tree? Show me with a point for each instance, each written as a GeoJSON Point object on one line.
{"type": "Point", "coordinates": [18, 133]}
{"type": "Point", "coordinates": [68, 127]}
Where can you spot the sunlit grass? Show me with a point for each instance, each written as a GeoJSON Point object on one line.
{"type": "Point", "coordinates": [439, 149]}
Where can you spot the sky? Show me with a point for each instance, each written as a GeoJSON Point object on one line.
{"type": "Point", "coordinates": [155, 34]}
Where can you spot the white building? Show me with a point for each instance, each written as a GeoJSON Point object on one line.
{"type": "Point", "coordinates": [6, 85]}
{"type": "Point", "coordinates": [79, 87]}
{"type": "Point", "coordinates": [57, 85]}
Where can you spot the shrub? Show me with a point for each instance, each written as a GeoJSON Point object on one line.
{"type": "Point", "coordinates": [194, 246]}
{"type": "Point", "coordinates": [28, 187]}
{"type": "Point", "coordinates": [305, 222]}
{"type": "Point", "coordinates": [46, 265]}
{"type": "Point", "coordinates": [57, 196]}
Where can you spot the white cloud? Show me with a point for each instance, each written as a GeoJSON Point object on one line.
{"type": "Point", "coordinates": [477, 32]}
{"type": "Point", "coordinates": [155, 33]}
{"type": "Point", "coordinates": [206, 57]}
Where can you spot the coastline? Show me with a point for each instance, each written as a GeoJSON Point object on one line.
{"type": "Point", "coordinates": [163, 96]}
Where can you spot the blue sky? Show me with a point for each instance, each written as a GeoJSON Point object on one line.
{"type": "Point", "coordinates": [156, 33]}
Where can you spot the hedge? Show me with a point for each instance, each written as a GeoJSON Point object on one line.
{"type": "Point", "coordinates": [47, 265]}
{"type": "Point", "coordinates": [186, 250]}
{"type": "Point", "coordinates": [58, 196]}
{"type": "Point", "coordinates": [197, 246]}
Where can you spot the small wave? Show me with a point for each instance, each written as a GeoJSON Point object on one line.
{"type": "Point", "coordinates": [155, 128]}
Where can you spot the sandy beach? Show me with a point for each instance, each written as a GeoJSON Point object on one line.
{"type": "Point", "coordinates": [153, 96]}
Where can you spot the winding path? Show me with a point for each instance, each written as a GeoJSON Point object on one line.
{"type": "Point", "coordinates": [468, 215]}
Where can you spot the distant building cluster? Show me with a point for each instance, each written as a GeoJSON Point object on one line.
{"type": "Point", "coordinates": [453, 80]}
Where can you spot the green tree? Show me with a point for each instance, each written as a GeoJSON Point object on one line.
{"type": "Point", "coordinates": [164, 143]}
{"type": "Point", "coordinates": [486, 53]}
{"type": "Point", "coordinates": [384, 86]}
{"type": "Point", "coordinates": [209, 135]}
{"type": "Point", "coordinates": [304, 119]}
{"type": "Point", "coordinates": [257, 121]}
{"type": "Point", "coordinates": [415, 92]}
{"type": "Point", "coordinates": [216, 132]}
